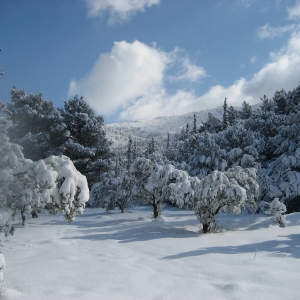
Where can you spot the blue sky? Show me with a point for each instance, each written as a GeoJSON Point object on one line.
{"type": "Point", "coordinates": [139, 59]}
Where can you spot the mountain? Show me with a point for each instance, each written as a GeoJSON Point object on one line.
{"type": "Point", "coordinates": [158, 128]}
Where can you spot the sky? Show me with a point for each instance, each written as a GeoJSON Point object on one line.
{"type": "Point", "coordinates": [139, 59]}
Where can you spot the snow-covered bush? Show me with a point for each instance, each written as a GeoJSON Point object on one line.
{"type": "Point", "coordinates": [2, 267]}
{"type": "Point", "coordinates": [275, 209]}
{"type": "Point", "coordinates": [53, 183]}
{"type": "Point", "coordinates": [6, 221]}
{"type": "Point", "coordinates": [223, 190]}
{"type": "Point", "coordinates": [141, 169]}
{"type": "Point", "coordinates": [112, 192]}
{"type": "Point", "coordinates": [217, 191]}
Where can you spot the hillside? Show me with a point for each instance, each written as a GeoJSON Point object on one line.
{"type": "Point", "coordinates": [143, 131]}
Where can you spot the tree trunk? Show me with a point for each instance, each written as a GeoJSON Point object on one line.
{"type": "Point", "coordinates": [34, 214]}
{"type": "Point", "coordinates": [205, 228]}
{"type": "Point", "coordinates": [121, 208]}
{"type": "Point", "coordinates": [23, 216]}
{"type": "Point", "coordinates": [155, 208]}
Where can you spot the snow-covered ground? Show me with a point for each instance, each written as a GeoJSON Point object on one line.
{"type": "Point", "coordinates": [129, 256]}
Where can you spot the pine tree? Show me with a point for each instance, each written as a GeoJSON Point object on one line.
{"type": "Point", "coordinates": [194, 125]}
{"type": "Point", "coordinates": [246, 111]}
{"type": "Point", "coordinates": [225, 115]}
{"type": "Point", "coordinates": [168, 141]}
{"type": "Point", "coordinates": [212, 125]}
{"type": "Point", "coordinates": [280, 100]}
{"type": "Point", "coordinates": [187, 130]}
{"type": "Point", "coordinates": [232, 115]}
{"type": "Point", "coordinates": [36, 125]}
{"type": "Point", "coordinates": [129, 152]}
{"type": "Point", "coordinates": [134, 151]}
{"type": "Point", "coordinates": [87, 144]}
{"type": "Point", "coordinates": [151, 146]}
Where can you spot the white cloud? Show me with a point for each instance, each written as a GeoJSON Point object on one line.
{"type": "Point", "coordinates": [294, 11]}
{"type": "Point", "coordinates": [253, 59]}
{"type": "Point", "coordinates": [118, 78]}
{"type": "Point", "coordinates": [190, 71]}
{"type": "Point", "coordinates": [283, 71]}
{"type": "Point", "coordinates": [118, 9]}
{"type": "Point", "coordinates": [130, 80]}
{"type": "Point", "coordinates": [187, 70]}
{"type": "Point", "coordinates": [246, 3]}
{"type": "Point", "coordinates": [269, 32]}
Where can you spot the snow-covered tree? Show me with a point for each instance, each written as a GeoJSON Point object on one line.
{"type": "Point", "coordinates": [129, 152]}
{"type": "Point", "coordinates": [224, 190]}
{"type": "Point", "coordinates": [111, 193]}
{"type": "Point", "coordinates": [134, 151]}
{"type": "Point", "coordinates": [212, 124]}
{"type": "Point", "coordinates": [36, 125]}
{"type": "Point", "coordinates": [141, 169]}
{"type": "Point", "coordinates": [232, 115]}
{"type": "Point", "coordinates": [151, 147]}
{"type": "Point", "coordinates": [226, 122]}
{"type": "Point", "coordinates": [87, 143]}
{"type": "Point", "coordinates": [24, 184]}
{"type": "Point", "coordinates": [53, 183]}
{"type": "Point", "coordinates": [10, 157]}
{"type": "Point", "coordinates": [187, 129]}
{"type": "Point", "coordinates": [194, 131]}
{"type": "Point", "coordinates": [246, 111]}
{"type": "Point", "coordinates": [276, 209]}
{"type": "Point", "coordinates": [202, 155]}
{"type": "Point", "coordinates": [168, 141]}
{"type": "Point", "coordinates": [215, 192]}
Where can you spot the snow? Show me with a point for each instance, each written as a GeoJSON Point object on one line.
{"type": "Point", "coordinates": [158, 128]}
{"type": "Point", "coordinates": [124, 256]}
{"type": "Point", "coordinates": [2, 267]}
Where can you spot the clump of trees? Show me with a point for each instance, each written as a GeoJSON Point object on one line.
{"type": "Point", "coordinates": [53, 182]}
{"type": "Point", "coordinates": [74, 131]}
{"type": "Point", "coordinates": [222, 164]}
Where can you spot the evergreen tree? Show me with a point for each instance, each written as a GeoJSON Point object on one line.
{"type": "Point", "coordinates": [36, 125]}
{"type": "Point", "coordinates": [226, 122]}
{"type": "Point", "coordinates": [151, 147]}
{"type": "Point", "coordinates": [267, 104]}
{"type": "Point", "coordinates": [129, 152]}
{"type": "Point", "coordinates": [187, 130]}
{"type": "Point", "coordinates": [280, 100]}
{"type": "Point", "coordinates": [195, 125]}
{"type": "Point", "coordinates": [87, 145]}
{"type": "Point", "coordinates": [201, 154]}
{"type": "Point", "coordinates": [168, 141]}
{"type": "Point", "coordinates": [212, 125]}
{"type": "Point", "coordinates": [232, 115]}
{"type": "Point", "coordinates": [134, 151]}
{"type": "Point", "coordinates": [246, 111]}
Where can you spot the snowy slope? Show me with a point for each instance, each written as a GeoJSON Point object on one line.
{"type": "Point", "coordinates": [130, 256]}
{"type": "Point", "coordinates": [143, 131]}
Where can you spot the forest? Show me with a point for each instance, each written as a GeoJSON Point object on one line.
{"type": "Point", "coordinates": [248, 160]}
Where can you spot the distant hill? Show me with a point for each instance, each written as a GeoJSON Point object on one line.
{"type": "Point", "coordinates": [158, 128]}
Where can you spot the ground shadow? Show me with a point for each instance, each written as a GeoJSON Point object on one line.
{"type": "Point", "coordinates": [289, 247]}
